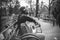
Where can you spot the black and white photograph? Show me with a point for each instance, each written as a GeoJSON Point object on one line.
{"type": "Point", "coordinates": [29, 20]}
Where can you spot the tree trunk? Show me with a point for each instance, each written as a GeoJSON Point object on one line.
{"type": "Point", "coordinates": [37, 7]}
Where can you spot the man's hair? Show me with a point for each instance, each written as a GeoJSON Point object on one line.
{"type": "Point", "coordinates": [23, 10]}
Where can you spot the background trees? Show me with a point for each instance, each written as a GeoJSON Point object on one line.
{"type": "Point", "coordinates": [7, 8]}
{"type": "Point", "coordinates": [55, 10]}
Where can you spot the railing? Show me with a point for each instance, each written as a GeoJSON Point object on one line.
{"type": "Point", "coordinates": [10, 25]}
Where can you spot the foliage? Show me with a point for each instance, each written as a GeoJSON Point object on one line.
{"type": "Point", "coordinates": [7, 8]}
{"type": "Point", "coordinates": [56, 10]}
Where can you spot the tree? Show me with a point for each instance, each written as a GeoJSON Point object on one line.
{"type": "Point", "coordinates": [1, 13]}
{"type": "Point", "coordinates": [37, 7]}
{"type": "Point", "coordinates": [56, 10]}
{"type": "Point", "coordinates": [17, 7]}
{"type": "Point", "coordinates": [7, 7]}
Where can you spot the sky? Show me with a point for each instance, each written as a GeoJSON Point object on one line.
{"type": "Point", "coordinates": [23, 3]}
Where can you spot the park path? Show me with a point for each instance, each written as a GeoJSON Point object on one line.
{"type": "Point", "coordinates": [51, 32]}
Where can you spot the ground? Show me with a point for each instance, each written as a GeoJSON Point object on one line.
{"type": "Point", "coordinates": [51, 32]}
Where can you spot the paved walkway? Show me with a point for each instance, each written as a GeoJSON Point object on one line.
{"type": "Point", "coordinates": [51, 32]}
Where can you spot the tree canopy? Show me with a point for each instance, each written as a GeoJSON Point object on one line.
{"type": "Point", "coordinates": [56, 10]}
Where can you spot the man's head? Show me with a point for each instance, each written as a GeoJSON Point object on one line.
{"type": "Point", "coordinates": [23, 11]}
